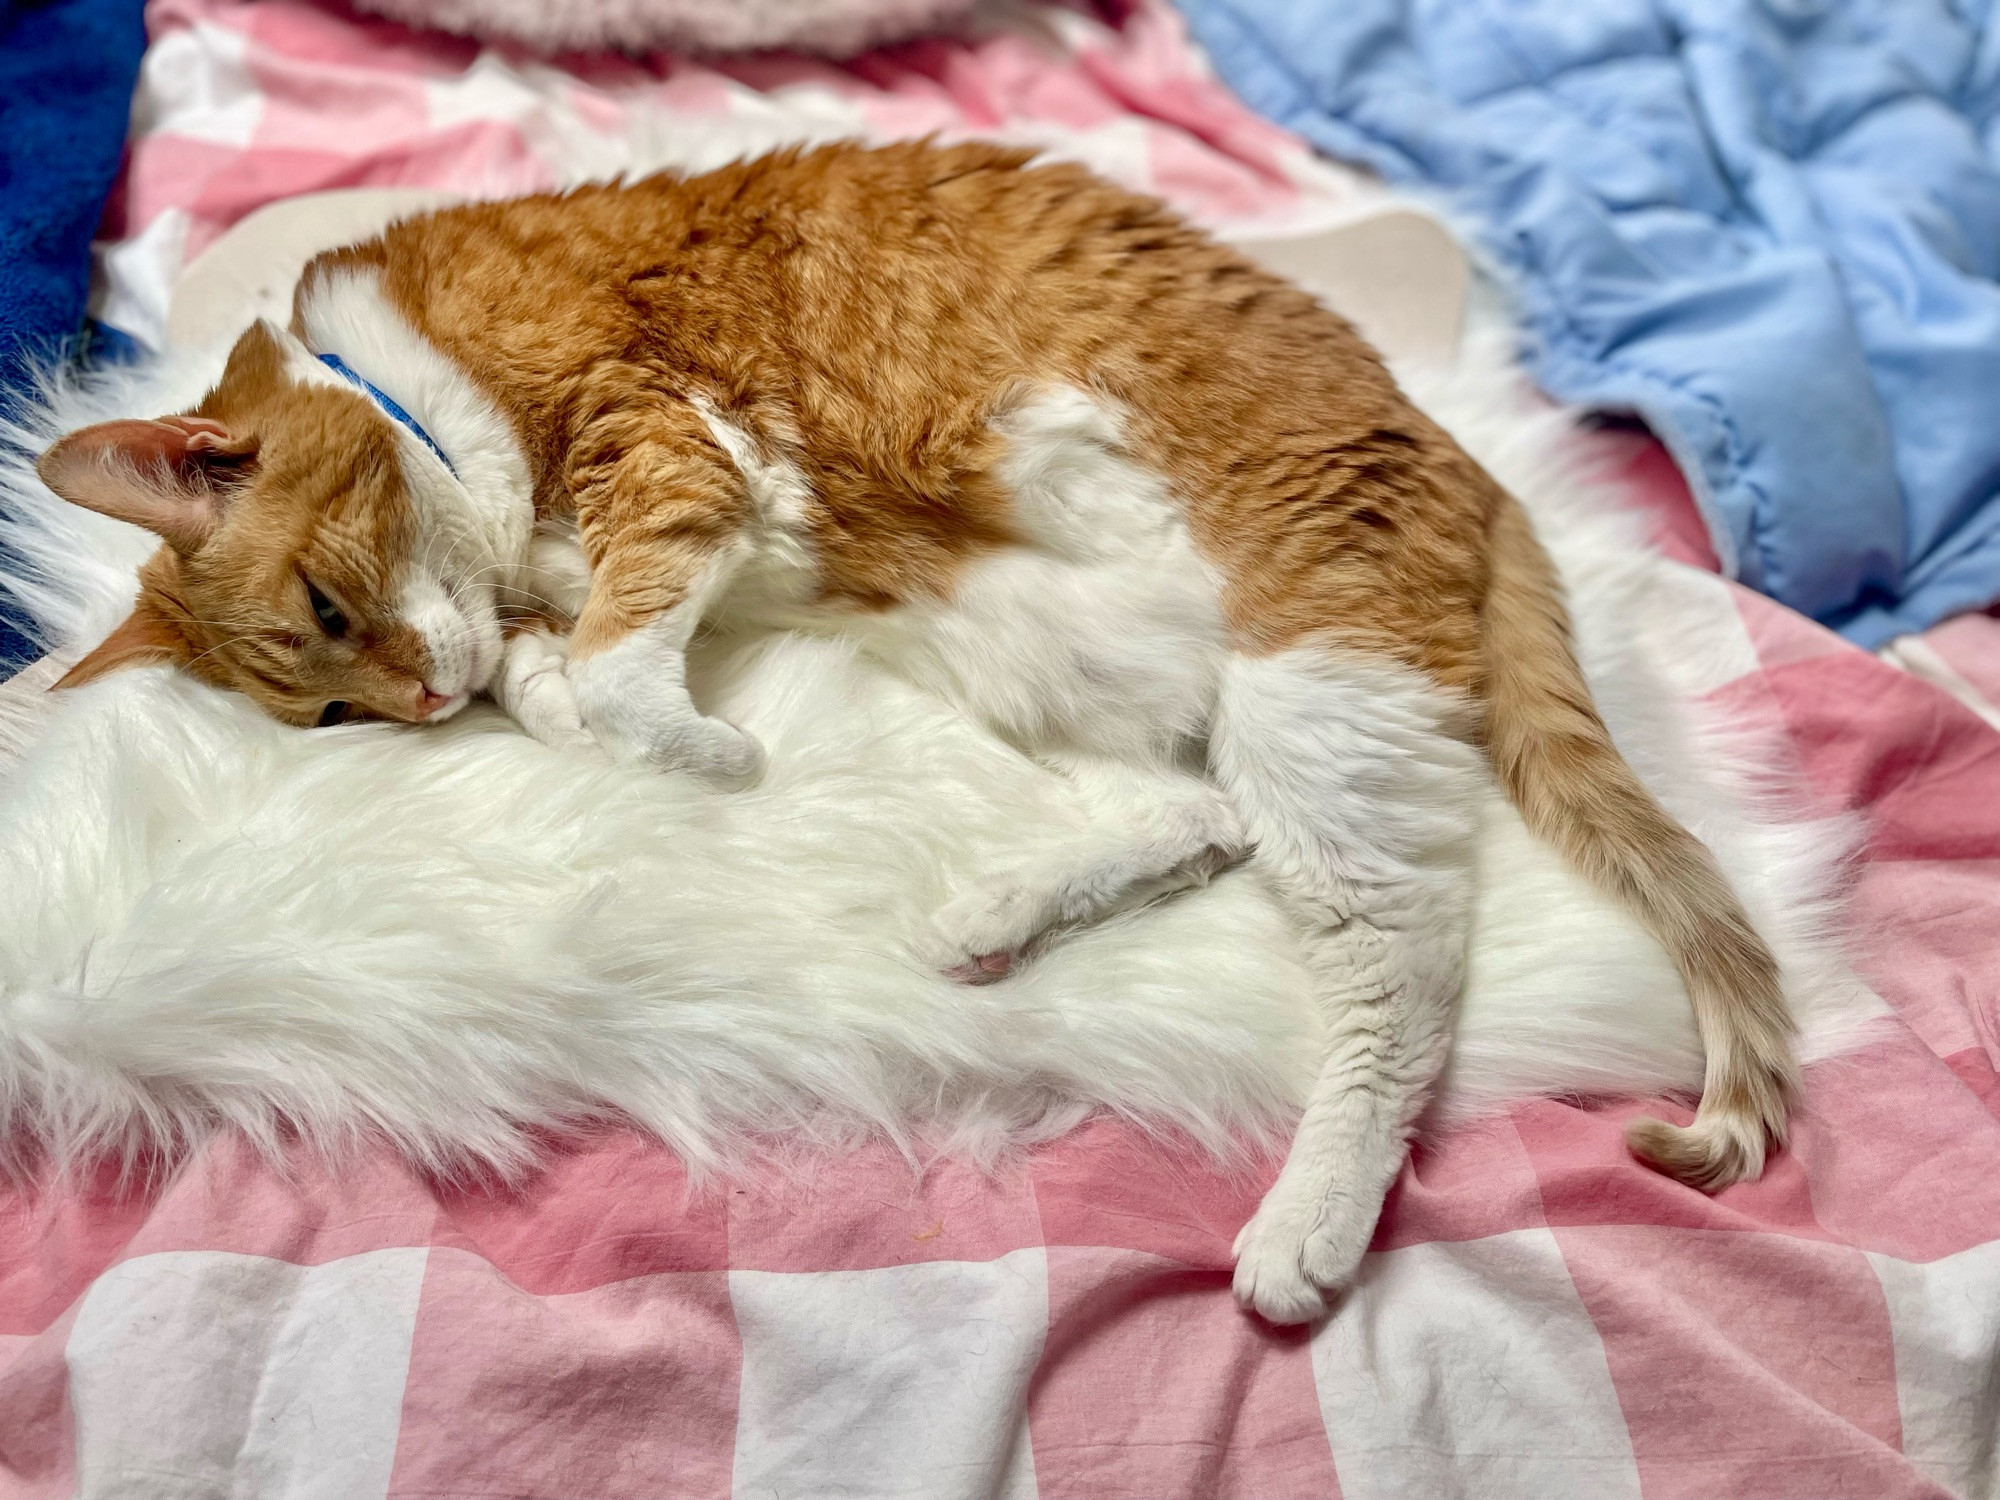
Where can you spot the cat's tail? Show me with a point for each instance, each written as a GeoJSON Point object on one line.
{"type": "Point", "coordinates": [1558, 764]}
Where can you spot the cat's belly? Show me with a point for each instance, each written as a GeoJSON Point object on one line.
{"type": "Point", "coordinates": [1103, 631]}
{"type": "Point", "coordinates": [1052, 655]}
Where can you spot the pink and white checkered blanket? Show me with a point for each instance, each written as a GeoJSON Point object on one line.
{"type": "Point", "coordinates": [1541, 1316]}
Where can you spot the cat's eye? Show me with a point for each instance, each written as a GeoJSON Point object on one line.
{"type": "Point", "coordinates": [334, 713]}
{"type": "Point", "coordinates": [331, 620]}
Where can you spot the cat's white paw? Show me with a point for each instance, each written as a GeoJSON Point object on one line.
{"type": "Point", "coordinates": [650, 720]}
{"type": "Point", "coordinates": [715, 750]}
{"type": "Point", "coordinates": [981, 935]}
{"type": "Point", "coordinates": [536, 692]}
{"type": "Point", "coordinates": [1293, 1253]}
{"type": "Point", "coordinates": [978, 937]}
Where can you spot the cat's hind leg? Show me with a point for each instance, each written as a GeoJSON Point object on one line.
{"type": "Point", "coordinates": [1356, 780]}
{"type": "Point", "coordinates": [1158, 830]}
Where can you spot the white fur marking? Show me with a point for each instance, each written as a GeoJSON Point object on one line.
{"type": "Point", "coordinates": [1103, 633]}
{"type": "Point", "coordinates": [461, 661]}
{"type": "Point", "coordinates": [473, 531]}
{"type": "Point", "coordinates": [345, 312]}
{"type": "Point", "coordinates": [778, 568]}
{"type": "Point", "coordinates": [556, 577]}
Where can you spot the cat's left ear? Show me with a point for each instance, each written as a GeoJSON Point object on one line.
{"type": "Point", "coordinates": [170, 475]}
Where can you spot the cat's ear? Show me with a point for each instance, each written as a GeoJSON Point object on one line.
{"type": "Point", "coordinates": [148, 638]}
{"type": "Point", "coordinates": [171, 475]}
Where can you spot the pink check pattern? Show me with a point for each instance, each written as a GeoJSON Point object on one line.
{"type": "Point", "coordinates": [1541, 1316]}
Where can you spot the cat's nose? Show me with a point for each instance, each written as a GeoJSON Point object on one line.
{"type": "Point", "coordinates": [431, 702]}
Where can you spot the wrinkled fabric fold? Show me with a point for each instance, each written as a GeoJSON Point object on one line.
{"type": "Point", "coordinates": [1771, 231]}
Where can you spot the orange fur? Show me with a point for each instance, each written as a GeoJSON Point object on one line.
{"type": "Point", "coordinates": [147, 638]}
{"type": "Point", "coordinates": [921, 289]}
{"type": "Point", "coordinates": [228, 600]}
{"type": "Point", "coordinates": [1558, 764]}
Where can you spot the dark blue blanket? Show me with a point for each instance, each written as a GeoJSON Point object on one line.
{"type": "Point", "coordinates": [66, 73]}
{"type": "Point", "coordinates": [1770, 227]}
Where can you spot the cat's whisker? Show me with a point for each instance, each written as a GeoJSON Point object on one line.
{"type": "Point", "coordinates": [221, 646]}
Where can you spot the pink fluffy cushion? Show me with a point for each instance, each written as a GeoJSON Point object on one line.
{"type": "Point", "coordinates": [833, 27]}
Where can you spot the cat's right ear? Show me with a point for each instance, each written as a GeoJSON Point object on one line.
{"type": "Point", "coordinates": [171, 476]}
{"type": "Point", "coordinates": [146, 639]}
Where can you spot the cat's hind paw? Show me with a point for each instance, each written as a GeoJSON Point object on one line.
{"type": "Point", "coordinates": [987, 968]}
{"type": "Point", "coordinates": [1292, 1256]}
{"type": "Point", "coordinates": [980, 936]}
{"type": "Point", "coordinates": [984, 933]}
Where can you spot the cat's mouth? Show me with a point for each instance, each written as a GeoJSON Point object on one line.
{"type": "Point", "coordinates": [465, 651]}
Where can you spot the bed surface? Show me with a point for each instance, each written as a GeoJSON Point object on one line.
{"type": "Point", "coordinates": [1540, 1316]}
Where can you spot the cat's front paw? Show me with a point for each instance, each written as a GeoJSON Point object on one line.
{"type": "Point", "coordinates": [1294, 1253]}
{"type": "Point", "coordinates": [655, 723]}
{"type": "Point", "coordinates": [713, 749]}
{"type": "Point", "coordinates": [534, 689]}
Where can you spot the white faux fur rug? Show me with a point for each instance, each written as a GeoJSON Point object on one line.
{"type": "Point", "coordinates": [455, 937]}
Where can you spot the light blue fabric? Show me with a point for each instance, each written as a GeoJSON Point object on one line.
{"type": "Point", "coordinates": [1770, 229]}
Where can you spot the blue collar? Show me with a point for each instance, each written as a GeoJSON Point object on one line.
{"type": "Point", "coordinates": [339, 366]}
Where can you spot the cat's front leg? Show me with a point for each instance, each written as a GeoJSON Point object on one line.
{"type": "Point", "coordinates": [663, 517]}
{"type": "Point", "coordinates": [632, 697]}
{"type": "Point", "coordinates": [534, 689]}
{"type": "Point", "coordinates": [542, 601]}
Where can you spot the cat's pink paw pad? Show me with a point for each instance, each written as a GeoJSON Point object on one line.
{"type": "Point", "coordinates": [987, 968]}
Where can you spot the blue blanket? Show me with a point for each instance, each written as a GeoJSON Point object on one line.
{"type": "Point", "coordinates": [66, 73]}
{"type": "Point", "coordinates": [1770, 229]}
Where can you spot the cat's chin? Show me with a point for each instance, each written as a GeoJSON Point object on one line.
{"type": "Point", "coordinates": [486, 648]}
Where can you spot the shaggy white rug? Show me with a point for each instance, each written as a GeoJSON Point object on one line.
{"type": "Point", "coordinates": [458, 938]}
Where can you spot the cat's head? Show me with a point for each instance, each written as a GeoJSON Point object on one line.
{"type": "Point", "coordinates": [304, 564]}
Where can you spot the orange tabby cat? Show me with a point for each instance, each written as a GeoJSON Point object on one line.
{"type": "Point", "coordinates": [1137, 505]}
